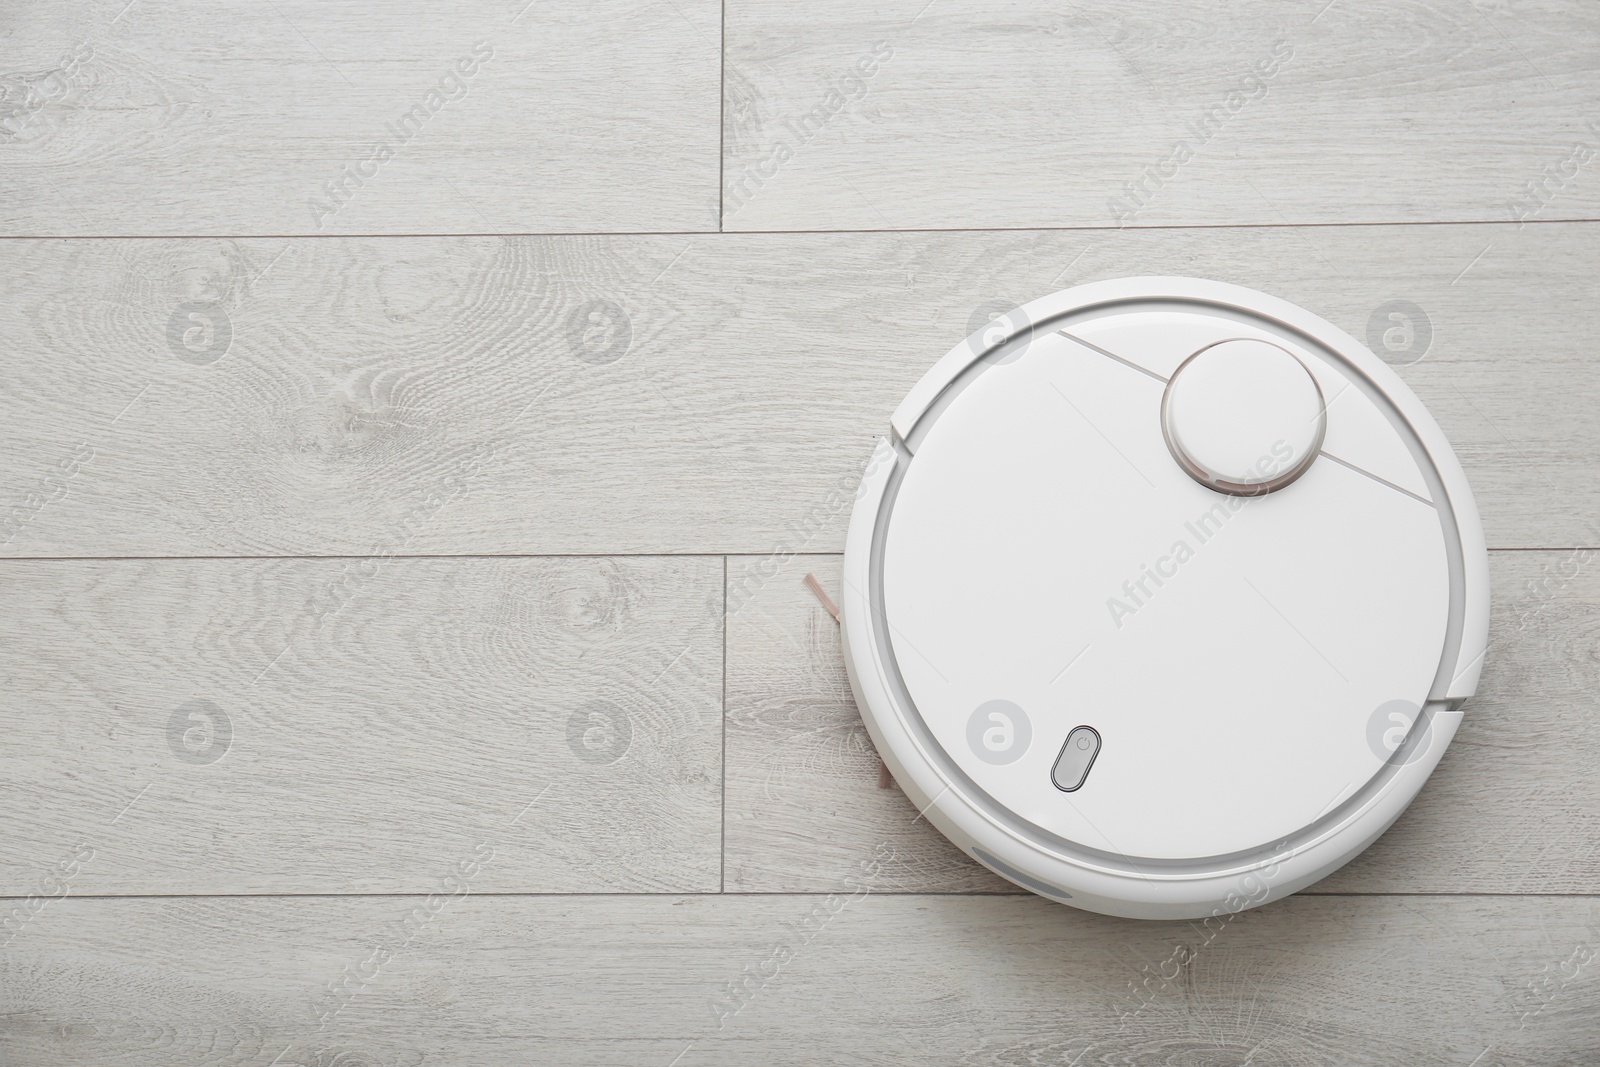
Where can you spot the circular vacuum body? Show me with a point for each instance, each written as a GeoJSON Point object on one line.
{"type": "Point", "coordinates": [1161, 597]}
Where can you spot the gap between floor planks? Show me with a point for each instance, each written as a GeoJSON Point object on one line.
{"type": "Point", "coordinates": [764, 233]}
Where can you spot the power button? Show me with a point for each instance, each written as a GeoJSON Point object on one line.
{"type": "Point", "coordinates": [1077, 756]}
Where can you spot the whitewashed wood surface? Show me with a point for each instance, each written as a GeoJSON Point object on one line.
{"type": "Point", "coordinates": [1015, 113]}
{"type": "Point", "coordinates": [798, 980]}
{"type": "Point", "coordinates": [230, 118]}
{"type": "Point", "coordinates": [379, 717]}
{"type": "Point", "coordinates": [403, 652]}
{"type": "Point", "coordinates": [748, 376]}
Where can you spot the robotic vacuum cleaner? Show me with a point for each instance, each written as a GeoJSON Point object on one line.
{"type": "Point", "coordinates": [1162, 596]}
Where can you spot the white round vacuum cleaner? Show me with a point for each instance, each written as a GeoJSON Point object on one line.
{"type": "Point", "coordinates": [1162, 596]}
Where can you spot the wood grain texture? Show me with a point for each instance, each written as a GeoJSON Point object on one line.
{"type": "Point", "coordinates": [1011, 113]}
{"type": "Point", "coordinates": [162, 119]}
{"type": "Point", "coordinates": [1513, 808]}
{"type": "Point", "coordinates": [367, 722]}
{"type": "Point", "coordinates": [665, 394]}
{"type": "Point", "coordinates": [800, 980]}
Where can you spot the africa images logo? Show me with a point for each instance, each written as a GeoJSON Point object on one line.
{"type": "Point", "coordinates": [452, 86]}
{"type": "Point", "coordinates": [1252, 85]}
{"type": "Point", "coordinates": [1137, 592]}
{"type": "Point", "coordinates": [851, 87]}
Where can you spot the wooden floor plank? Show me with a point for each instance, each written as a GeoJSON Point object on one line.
{"type": "Point", "coordinates": [692, 394]}
{"type": "Point", "coordinates": [842, 115]}
{"type": "Point", "coordinates": [337, 726]}
{"type": "Point", "coordinates": [296, 117]}
{"type": "Point", "coordinates": [1513, 808]}
{"type": "Point", "coordinates": [857, 979]}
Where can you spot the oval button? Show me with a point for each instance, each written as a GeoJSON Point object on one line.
{"type": "Point", "coordinates": [1077, 756]}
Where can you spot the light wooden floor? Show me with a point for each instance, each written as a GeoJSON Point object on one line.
{"type": "Point", "coordinates": [412, 460]}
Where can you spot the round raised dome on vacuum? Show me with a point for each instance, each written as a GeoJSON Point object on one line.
{"type": "Point", "coordinates": [1243, 417]}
